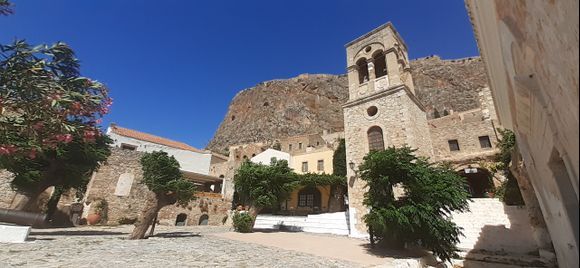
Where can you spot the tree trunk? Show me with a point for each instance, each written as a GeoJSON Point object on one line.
{"type": "Point", "coordinates": [28, 201]}
{"type": "Point", "coordinates": [146, 217]}
{"type": "Point", "coordinates": [52, 204]}
{"type": "Point", "coordinates": [539, 228]}
{"type": "Point", "coordinates": [254, 211]}
{"type": "Point", "coordinates": [153, 223]}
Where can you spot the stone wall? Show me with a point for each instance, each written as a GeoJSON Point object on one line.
{"type": "Point", "coordinates": [118, 182]}
{"type": "Point", "coordinates": [466, 128]}
{"type": "Point", "coordinates": [530, 49]}
{"type": "Point", "coordinates": [7, 195]}
{"type": "Point", "coordinates": [491, 226]}
{"type": "Point", "coordinates": [403, 124]}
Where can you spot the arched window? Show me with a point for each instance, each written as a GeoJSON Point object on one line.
{"type": "Point", "coordinates": [380, 64]}
{"type": "Point", "coordinates": [181, 219]}
{"type": "Point", "coordinates": [375, 136]}
{"type": "Point", "coordinates": [309, 197]}
{"type": "Point", "coordinates": [363, 70]}
{"type": "Point", "coordinates": [203, 220]}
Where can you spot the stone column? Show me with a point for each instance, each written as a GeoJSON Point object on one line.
{"type": "Point", "coordinates": [372, 76]}
{"type": "Point", "coordinates": [352, 74]}
{"type": "Point", "coordinates": [393, 68]}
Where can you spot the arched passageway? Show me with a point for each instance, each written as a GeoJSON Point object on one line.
{"type": "Point", "coordinates": [479, 181]}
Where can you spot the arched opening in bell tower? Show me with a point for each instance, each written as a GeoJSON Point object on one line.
{"type": "Point", "coordinates": [363, 70]}
{"type": "Point", "coordinates": [380, 63]}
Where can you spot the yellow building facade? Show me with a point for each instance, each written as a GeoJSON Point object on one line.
{"type": "Point", "coordinates": [307, 200]}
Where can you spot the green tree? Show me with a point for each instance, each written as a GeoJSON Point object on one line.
{"type": "Point", "coordinates": [264, 186]}
{"type": "Point", "coordinates": [162, 176]}
{"type": "Point", "coordinates": [49, 116]}
{"type": "Point", "coordinates": [339, 160]}
{"type": "Point", "coordinates": [421, 215]}
{"type": "Point", "coordinates": [509, 190]}
{"type": "Point", "coordinates": [6, 8]}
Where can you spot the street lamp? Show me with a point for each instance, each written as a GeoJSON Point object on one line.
{"type": "Point", "coordinates": [352, 167]}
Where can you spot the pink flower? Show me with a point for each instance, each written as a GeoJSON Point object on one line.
{"type": "Point", "coordinates": [38, 125]}
{"type": "Point", "coordinates": [66, 138]}
{"type": "Point", "coordinates": [89, 135]}
{"type": "Point", "coordinates": [32, 153]}
{"type": "Point", "coordinates": [7, 149]}
{"type": "Point", "coordinates": [104, 110]}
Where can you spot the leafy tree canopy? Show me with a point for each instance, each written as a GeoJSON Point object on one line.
{"type": "Point", "coordinates": [5, 8]}
{"type": "Point", "coordinates": [264, 186]}
{"type": "Point", "coordinates": [421, 215]}
{"type": "Point", "coordinates": [162, 176]}
{"type": "Point", "coordinates": [49, 116]}
{"type": "Point", "coordinates": [314, 179]}
{"type": "Point", "coordinates": [509, 191]}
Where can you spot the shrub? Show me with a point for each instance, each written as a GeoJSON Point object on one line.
{"type": "Point", "coordinates": [421, 216]}
{"type": "Point", "coordinates": [243, 222]}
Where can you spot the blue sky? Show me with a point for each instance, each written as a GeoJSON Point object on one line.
{"type": "Point", "coordinates": [173, 66]}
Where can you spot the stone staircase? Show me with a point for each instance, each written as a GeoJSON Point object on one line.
{"type": "Point", "coordinates": [494, 227]}
{"type": "Point", "coordinates": [327, 223]}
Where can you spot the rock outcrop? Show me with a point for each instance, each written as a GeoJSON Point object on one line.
{"type": "Point", "coordinates": [312, 103]}
{"type": "Point", "coordinates": [280, 108]}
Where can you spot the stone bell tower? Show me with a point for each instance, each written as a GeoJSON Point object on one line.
{"type": "Point", "coordinates": [382, 110]}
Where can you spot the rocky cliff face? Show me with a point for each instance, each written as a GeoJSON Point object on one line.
{"type": "Point", "coordinates": [448, 84]}
{"type": "Point", "coordinates": [281, 108]}
{"type": "Point", "coordinates": [312, 103]}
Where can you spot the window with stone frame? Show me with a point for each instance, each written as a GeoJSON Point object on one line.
{"type": "Point", "coordinates": [304, 166]}
{"type": "Point", "coordinates": [129, 147]}
{"type": "Point", "coordinates": [375, 139]}
{"type": "Point", "coordinates": [453, 145]}
{"type": "Point", "coordinates": [320, 165]}
{"type": "Point", "coordinates": [485, 142]}
{"type": "Point", "coordinates": [289, 147]}
{"type": "Point", "coordinates": [300, 146]}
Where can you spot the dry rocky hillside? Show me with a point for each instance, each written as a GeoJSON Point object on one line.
{"type": "Point", "coordinates": [312, 103]}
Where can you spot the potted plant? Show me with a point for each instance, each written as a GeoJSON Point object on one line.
{"type": "Point", "coordinates": [99, 212]}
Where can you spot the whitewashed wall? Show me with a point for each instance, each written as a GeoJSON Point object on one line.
{"type": "Point", "coordinates": [189, 160]}
{"type": "Point", "coordinates": [265, 157]}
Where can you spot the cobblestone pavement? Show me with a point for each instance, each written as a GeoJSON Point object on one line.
{"type": "Point", "coordinates": [171, 247]}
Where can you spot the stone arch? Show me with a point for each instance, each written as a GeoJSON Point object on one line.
{"type": "Point", "coordinates": [375, 138]}
{"type": "Point", "coordinates": [181, 219]}
{"type": "Point", "coordinates": [310, 197]}
{"type": "Point", "coordinates": [362, 68]}
{"type": "Point", "coordinates": [380, 62]}
{"type": "Point", "coordinates": [203, 219]}
{"type": "Point", "coordinates": [479, 179]}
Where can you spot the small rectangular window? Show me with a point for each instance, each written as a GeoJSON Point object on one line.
{"type": "Point", "coordinates": [484, 142]}
{"type": "Point", "coordinates": [320, 166]}
{"type": "Point", "coordinates": [299, 146]}
{"type": "Point", "coordinates": [289, 147]}
{"type": "Point", "coordinates": [453, 145]}
{"type": "Point", "coordinates": [304, 166]}
{"type": "Point", "coordinates": [130, 147]}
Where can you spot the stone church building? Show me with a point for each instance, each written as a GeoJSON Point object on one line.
{"type": "Point", "coordinates": [383, 111]}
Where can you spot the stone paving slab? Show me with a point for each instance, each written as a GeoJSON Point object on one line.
{"type": "Point", "coordinates": [174, 247]}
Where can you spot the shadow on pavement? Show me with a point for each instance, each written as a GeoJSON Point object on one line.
{"type": "Point", "coordinates": [176, 234]}
{"type": "Point", "coordinates": [77, 233]}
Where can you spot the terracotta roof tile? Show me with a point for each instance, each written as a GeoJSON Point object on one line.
{"type": "Point", "coordinates": [152, 138]}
